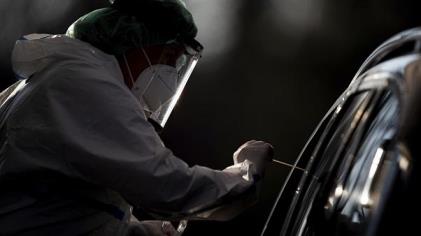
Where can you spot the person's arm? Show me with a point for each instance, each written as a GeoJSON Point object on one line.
{"type": "Point", "coordinates": [109, 142]}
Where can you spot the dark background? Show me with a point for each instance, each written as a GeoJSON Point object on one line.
{"type": "Point", "coordinates": [271, 69]}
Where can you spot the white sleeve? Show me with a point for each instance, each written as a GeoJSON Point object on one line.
{"type": "Point", "coordinates": [109, 142]}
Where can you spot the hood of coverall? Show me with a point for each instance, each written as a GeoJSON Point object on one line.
{"type": "Point", "coordinates": [34, 52]}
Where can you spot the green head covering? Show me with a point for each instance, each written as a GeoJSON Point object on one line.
{"type": "Point", "coordinates": [134, 23]}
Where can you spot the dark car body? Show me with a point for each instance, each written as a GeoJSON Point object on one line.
{"type": "Point", "coordinates": [360, 164]}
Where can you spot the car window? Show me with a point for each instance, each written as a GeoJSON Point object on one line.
{"type": "Point", "coordinates": [337, 160]}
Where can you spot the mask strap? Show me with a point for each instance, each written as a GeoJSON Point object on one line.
{"type": "Point", "coordinates": [146, 56]}
{"type": "Point", "coordinates": [152, 68]}
{"type": "Point", "coordinates": [128, 68]}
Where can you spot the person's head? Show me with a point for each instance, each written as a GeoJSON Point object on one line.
{"type": "Point", "coordinates": [153, 40]}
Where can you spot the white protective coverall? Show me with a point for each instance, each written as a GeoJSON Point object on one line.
{"type": "Point", "coordinates": [77, 150]}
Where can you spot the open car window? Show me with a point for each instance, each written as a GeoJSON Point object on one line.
{"type": "Point", "coordinates": [330, 196]}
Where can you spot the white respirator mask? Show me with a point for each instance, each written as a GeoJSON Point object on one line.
{"type": "Point", "coordinates": [159, 86]}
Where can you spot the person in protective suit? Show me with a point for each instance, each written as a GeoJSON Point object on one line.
{"type": "Point", "coordinates": [78, 141]}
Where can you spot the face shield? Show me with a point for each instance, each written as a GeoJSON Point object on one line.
{"type": "Point", "coordinates": [162, 74]}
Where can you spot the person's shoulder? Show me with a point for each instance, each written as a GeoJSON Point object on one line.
{"type": "Point", "coordinates": [76, 63]}
{"type": "Point", "coordinates": [60, 68]}
{"type": "Point", "coordinates": [38, 54]}
{"type": "Point", "coordinates": [83, 77]}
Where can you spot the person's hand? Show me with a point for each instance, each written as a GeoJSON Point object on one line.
{"type": "Point", "coordinates": [256, 152]}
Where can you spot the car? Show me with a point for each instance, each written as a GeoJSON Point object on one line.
{"type": "Point", "coordinates": [357, 174]}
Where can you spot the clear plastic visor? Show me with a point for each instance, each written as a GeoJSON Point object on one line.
{"type": "Point", "coordinates": [162, 84]}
